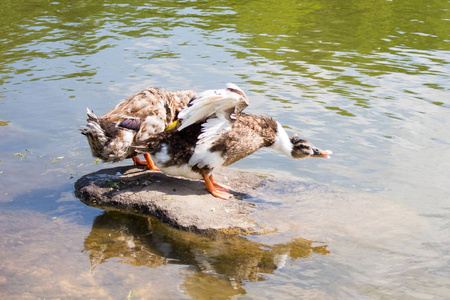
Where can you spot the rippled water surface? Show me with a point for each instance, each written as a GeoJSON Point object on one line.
{"type": "Point", "coordinates": [368, 79]}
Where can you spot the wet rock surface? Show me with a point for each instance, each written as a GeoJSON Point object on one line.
{"type": "Point", "coordinates": [180, 202]}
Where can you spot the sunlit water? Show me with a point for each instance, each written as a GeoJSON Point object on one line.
{"type": "Point", "coordinates": [367, 79]}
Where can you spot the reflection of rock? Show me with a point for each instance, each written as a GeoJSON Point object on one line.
{"type": "Point", "coordinates": [222, 260]}
{"type": "Point", "coordinates": [126, 238]}
{"type": "Point", "coordinates": [183, 203]}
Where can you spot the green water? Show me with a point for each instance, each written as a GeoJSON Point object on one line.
{"type": "Point", "coordinates": [369, 80]}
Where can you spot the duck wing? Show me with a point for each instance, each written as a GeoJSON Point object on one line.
{"type": "Point", "coordinates": [222, 103]}
{"type": "Point", "coordinates": [131, 123]}
{"type": "Point", "coordinates": [150, 102]}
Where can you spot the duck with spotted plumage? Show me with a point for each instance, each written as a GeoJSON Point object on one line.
{"type": "Point", "coordinates": [214, 133]}
{"type": "Point", "coordinates": [133, 120]}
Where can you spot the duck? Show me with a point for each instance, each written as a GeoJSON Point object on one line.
{"type": "Point", "coordinates": [150, 111]}
{"type": "Point", "coordinates": [214, 132]}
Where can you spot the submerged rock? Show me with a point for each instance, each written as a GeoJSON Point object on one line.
{"type": "Point", "coordinates": [180, 202]}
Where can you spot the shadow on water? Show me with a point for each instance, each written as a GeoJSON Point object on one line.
{"type": "Point", "coordinates": [222, 261]}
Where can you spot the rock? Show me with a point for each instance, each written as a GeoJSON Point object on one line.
{"type": "Point", "coordinates": [180, 202]}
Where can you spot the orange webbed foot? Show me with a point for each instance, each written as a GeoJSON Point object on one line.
{"type": "Point", "coordinates": [216, 185]}
{"type": "Point", "coordinates": [216, 189]}
{"type": "Point", "coordinates": [221, 194]}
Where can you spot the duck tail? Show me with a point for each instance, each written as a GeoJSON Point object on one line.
{"type": "Point", "coordinates": [94, 132]}
{"type": "Point", "coordinates": [93, 125]}
{"type": "Point", "coordinates": [91, 116]}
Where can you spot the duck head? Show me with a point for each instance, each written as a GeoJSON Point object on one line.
{"type": "Point", "coordinates": [303, 149]}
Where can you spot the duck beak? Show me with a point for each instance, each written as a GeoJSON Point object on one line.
{"type": "Point", "coordinates": [172, 125]}
{"type": "Point", "coordinates": [321, 153]}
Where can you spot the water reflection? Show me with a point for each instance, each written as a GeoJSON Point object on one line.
{"type": "Point", "coordinates": [222, 261]}
{"type": "Point", "coordinates": [320, 47]}
{"type": "Point", "coordinates": [341, 51]}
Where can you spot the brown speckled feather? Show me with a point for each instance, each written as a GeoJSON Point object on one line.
{"type": "Point", "coordinates": [135, 118]}
{"type": "Point", "coordinates": [151, 102]}
{"type": "Point", "coordinates": [248, 134]}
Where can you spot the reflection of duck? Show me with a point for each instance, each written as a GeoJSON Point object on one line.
{"type": "Point", "coordinates": [215, 133]}
{"type": "Point", "coordinates": [132, 120]}
{"type": "Point", "coordinates": [219, 260]}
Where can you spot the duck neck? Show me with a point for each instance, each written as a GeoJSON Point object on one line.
{"type": "Point", "coordinates": [282, 141]}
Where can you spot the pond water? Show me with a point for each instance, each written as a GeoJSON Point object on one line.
{"type": "Point", "coordinates": [369, 80]}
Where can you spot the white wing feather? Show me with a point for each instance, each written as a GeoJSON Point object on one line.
{"type": "Point", "coordinates": [212, 102]}
{"type": "Point", "coordinates": [211, 130]}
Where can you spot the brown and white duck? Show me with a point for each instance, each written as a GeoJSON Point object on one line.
{"type": "Point", "coordinates": [133, 120]}
{"type": "Point", "coordinates": [215, 133]}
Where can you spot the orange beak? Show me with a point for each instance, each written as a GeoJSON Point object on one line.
{"type": "Point", "coordinates": [321, 153]}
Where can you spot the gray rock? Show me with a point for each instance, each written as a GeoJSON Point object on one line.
{"type": "Point", "coordinates": [180, 202]}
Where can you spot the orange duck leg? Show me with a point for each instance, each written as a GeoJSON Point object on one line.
{"type": "Point", "coordinates": [216, 189]}
{"type": "Point", "coordinates": [148, 162]}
